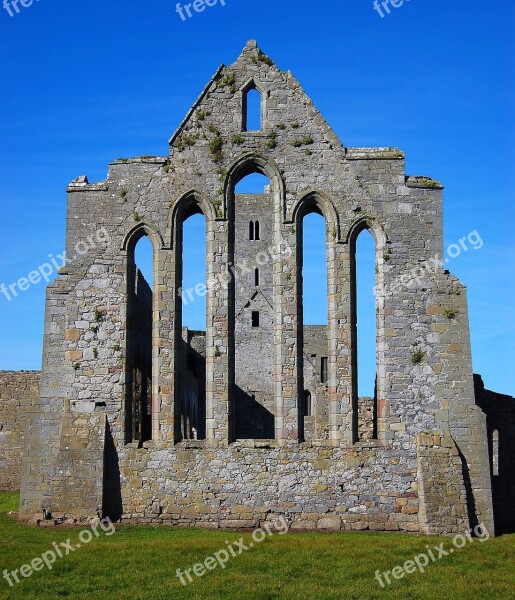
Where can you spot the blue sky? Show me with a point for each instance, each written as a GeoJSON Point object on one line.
{"type": "Point", "coordinates": [86, 82]}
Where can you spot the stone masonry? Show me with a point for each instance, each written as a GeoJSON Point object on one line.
{"type": "Point", "coordinates": [140, 419]}
{"type": "Point", "coordinates": [18, 392]}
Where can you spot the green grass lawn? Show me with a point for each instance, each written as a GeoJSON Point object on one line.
{"type": "Point", "coordinates": [140, 563]}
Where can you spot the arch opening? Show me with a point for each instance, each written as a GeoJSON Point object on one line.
{"type": "Point", "coordinates": [139, 345]}
{"type": "Point", "coordinates": [313, 314]}
{"type": "Point", "coordinates": [191, 321]}
{"type": "Point", "coordinates": [252, 110]}
{"type": "Point", "coordinates": [251, 210]}
{"type": "Point", "coordinates": [364, 335]}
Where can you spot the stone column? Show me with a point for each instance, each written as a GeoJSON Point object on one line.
{"type": "Point", "coordinates": [288, 371]}
{"type": "Point", "coordinates": [220, 335]}
{"type": "Point", "coordinates": [163, 346]}
{"type": "Point", "coordinates": [339, 342]}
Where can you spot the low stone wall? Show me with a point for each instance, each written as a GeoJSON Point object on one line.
{"type": "Point", "coordinates": [443, 496]}
{"type": "Point", "coordinates": [18, 391]}
{"type": "Point", "coordinates": [242, 487]}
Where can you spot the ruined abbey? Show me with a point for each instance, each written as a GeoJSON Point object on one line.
{"type": "Point", "coordinates": [137, 417]}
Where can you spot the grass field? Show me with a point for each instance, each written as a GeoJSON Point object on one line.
{"type": "Point", "coordinates": [140, 563]}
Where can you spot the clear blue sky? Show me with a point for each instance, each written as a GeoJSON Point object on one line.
{"type": "Point", "coordinates": [85, 82]}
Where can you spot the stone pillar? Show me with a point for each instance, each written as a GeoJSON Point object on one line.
{"type": "Point", "coordinates": [288, 367]}
{"type": "Point", "coordinates": [459, 412]}
{"type": "Point", "coordinates": [339, 341]}
{"type": "Point", "coordinates": [163, 346]}
{"type": "Point", "coordinates": [220, 335]}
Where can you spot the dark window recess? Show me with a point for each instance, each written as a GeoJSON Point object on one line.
{"type": "Point", "coordinates": [255, 318]}
{"type": "Point", "coordinates": [256, 277]}
{"type": "Point", "coordinates": [308, 409]}
{"type": "Point", "coordinates": [256, 231]}
{"type": "Point", "coordinates": [251, 230]}
{"type": "Point", "coordinates": [191, 363]}
{"type": "Point", "coordinates": [323, 370]}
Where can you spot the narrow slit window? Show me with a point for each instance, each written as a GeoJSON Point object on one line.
{"type": "Point", "coordinates": [256, 277]}
{"type": "Point", "coordinates": [255, 318]}
{"type": "Point", "coordinates": [251, 230]}
{"type": "Point", "coordinates": [323, 369]}
{"type": "Point", "coordinates": [256, 231]}
{"type": "Point", "coordinates": [308, 410]}
{"type": "Point", "coordinates": [252, 110]}
{"type": "Point", "coordinates": [495, 453]}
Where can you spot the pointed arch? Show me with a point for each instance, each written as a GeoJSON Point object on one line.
{"type": "Point", "coordinates": [318, 202]}
{"type": "Point", "coordinates": [252, 413]}
{"type": "Point", "coordinates": [144, 228]}
{"type": "Point", "coordinates": [381, 241]}
{"type": "Point", "coordinates": [191, 203]}
{"type": "Point", "coordinates": [249, 163]}
{"type": "Point", "coordinates": [323, 355]}
{"type": "Point", "coordinates": [191, 372]}
{"type": "Point", "coordinates": [253, 85]}
{"type": "Point", "coordinates": [351, 233]}
{"type": "Point", "coordinates": [141, 365]}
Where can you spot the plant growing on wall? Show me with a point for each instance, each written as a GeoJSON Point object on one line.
{"type": "Point", "coordinates": [417, 357]}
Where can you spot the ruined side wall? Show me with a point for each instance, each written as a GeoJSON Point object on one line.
{"type": "Point", "coordinates": [18, 391]}
{"type": "Point", "coordinates": [500, 419]}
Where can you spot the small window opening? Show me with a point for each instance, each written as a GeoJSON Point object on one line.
{"type": "Point", "coordinates": [495, 453]}
{"type": "Point", "coordinates": [252, 110]}
{"type": "Point", "coordinates": [308, 409]}
{"type": "Point", "coordinates": [323, 369]}
{"type": "Point", "coordinates": [251, 230]}
{"type": "Point", "coordinates": [256, 231]}
{"type": "Point", "coordinates": [256, 277]}
{"type": "Point", "coordinates": [255, 318]}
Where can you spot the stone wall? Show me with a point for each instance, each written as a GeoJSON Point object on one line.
{"type": "Point", "coordinates": [18, 391]}
{"type": "Point", "coordinates": [443, 497]}
{"type": "Point", "coordinates": [242, 486]}
{"type": "Point", "coordinates": [315, 347]}
{"type": "Point", "coordinates": [424, 370]}
{"type": "Point", "coordinates": [367, 418]}
{"type": "Point", "coordinates": [500, 420]}
{"type": "Point", "coordinates": [81, 456]}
